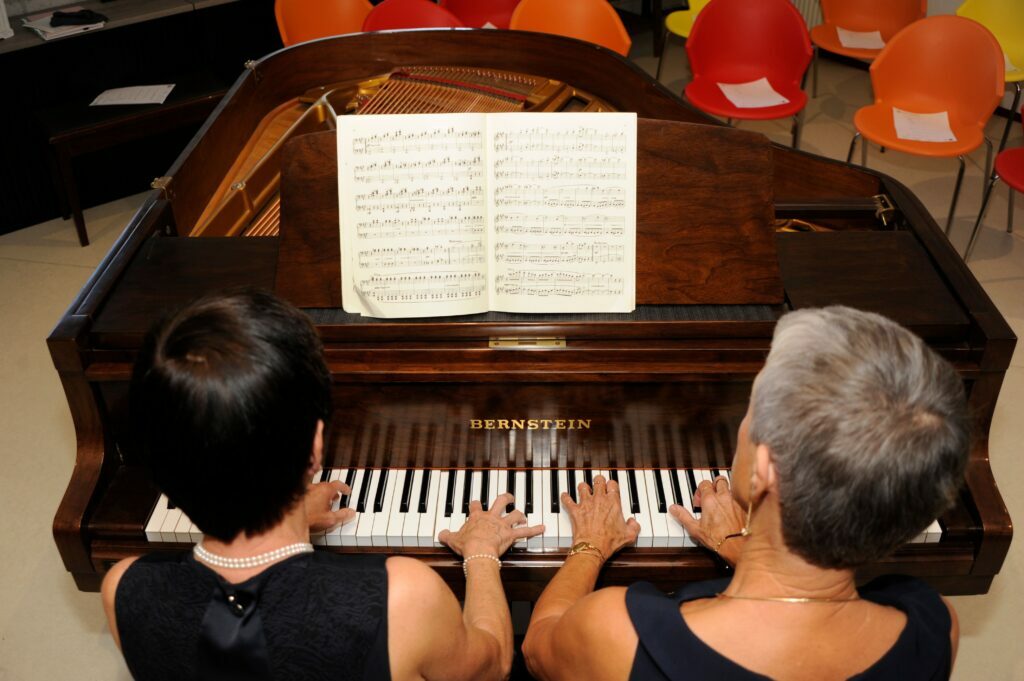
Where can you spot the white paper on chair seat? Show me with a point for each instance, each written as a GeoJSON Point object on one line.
{"type": "Point", "coordinates": [488, 24]}
{"type": "Point", "coordinates": [753, 95]}
{"type": "Point", "coordinates": [860, 40]}
{"type": "Point", "coordinates": [923, 127]}
{"type": "Point", "coordinates": [1010, 66]}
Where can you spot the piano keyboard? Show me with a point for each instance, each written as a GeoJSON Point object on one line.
{"type": "Point", "coordinates": [405, 507]}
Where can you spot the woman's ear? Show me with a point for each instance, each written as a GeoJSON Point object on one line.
{"type": "Point", "coordinates": [316, 456]}
{"type": "Point", "coordinates": [764, 478]}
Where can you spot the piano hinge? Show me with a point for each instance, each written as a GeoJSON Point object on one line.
{"type": "Point", "coordinates": [163, 184]}
{"type": "Point", "coordinates": [250, 65]}
{"type": "Point", "coordinates": [883, 208]}
{"type": "Point", "coordinates": [520, 342]}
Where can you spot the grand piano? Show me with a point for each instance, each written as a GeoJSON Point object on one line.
{"type": "Point", "coordinates": [732, 233]}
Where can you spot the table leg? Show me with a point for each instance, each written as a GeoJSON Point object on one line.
{"type": "Point", "coordinates": [67, 177]}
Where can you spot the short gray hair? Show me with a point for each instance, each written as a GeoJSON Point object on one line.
{"type": "Point", "coordinates": [868, 432]}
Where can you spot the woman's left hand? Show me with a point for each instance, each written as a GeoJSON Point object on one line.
{"type": "Point", "coordinates": [720, 517]}
{"type": "Point", "coordinates": [320, 500]}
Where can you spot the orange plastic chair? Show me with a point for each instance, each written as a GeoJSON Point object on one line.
{"type": "Point", "coordinates": [594, 21]}
{"type": "Point", "coordinates": [302, 20]}
{"type": "Point", "coordinates": [888, 17]}
{"type": "Point", "coordinates": [477, 13]}
{"type": "Point", "coordinates": [399, 14]}
{"type": "Point", "coordinates": [1010, 169]}
{"type": "Point", "coordinates": [741, 41]}
{"type": "Point", "coordinates": [942, 63]}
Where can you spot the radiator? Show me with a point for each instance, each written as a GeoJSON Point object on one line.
{"type": "Point", "coordinates": [811, 10]}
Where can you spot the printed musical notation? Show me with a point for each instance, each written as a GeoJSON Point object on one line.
{"type": "Point", "coordinates": [423, 287]}
{"type": "Point", "coordinates": [545, 139]}
{"type": "Point", "coordinates": [392, 228]}
{"type": "Point", "coordinates": [401, 142]}
{"type": "Point", "coordinates": [559, 168]}
{"type": "Point", "coordinates": [453, 253]}
{"type": "Point", "coordinates": [516, 253]}
{"type": "Point", "coordinates": [426, 201]}
{"type": "Point", "coordinates": [395, 172]}
{"type": "Point", "coordinates": [588, 196]}
{"type": "Point", "coordinates": [593, 225]}
{"type": "Point", "coordinates": [544, 283]}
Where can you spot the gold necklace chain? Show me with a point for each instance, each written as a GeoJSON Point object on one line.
{"type": "Point", "coordinates": [784, 599]}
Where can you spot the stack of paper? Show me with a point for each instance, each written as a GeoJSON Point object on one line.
{"type": "Point", "coordinates": [5, 24]}
{"type": "Point", "coordinates": [753, 95]}
{"type": "Point", "coordinates": [40, 23]}
{"type": "Point", "coordinates": [864, 40]}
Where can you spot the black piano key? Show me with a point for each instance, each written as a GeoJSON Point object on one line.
{"type": "Point", "coordinates": [403, 507]}
{"type": "Point", "coordinates": [634, 495]}
{"type": "Point", "coordinates": [485, 482]}
{"type": "Point", "coordinates": [588, 477]}
{"type": "Point", "coordinates": [170, 504]}
{"type": "Point", "coordinates": [614, 475]}
{"type": "Point", "coordinates": [554, 492]}
{"type": "Point", "coordinates": [325, 473]}
{"type": "Point", "coordinates": [529, 492]}
{"type": "Point", "coordinates": [693, 488]}
{"type": "Point", "coordinates": [467, 492]}
{"type": "Point", "coordinates": [449, 497]}
{"type": "Point", "coordinates": [364, 490]}
{"type": "Point", "coordinates": [378, 499]}
{"type": "Point", "coordinates": [350, 478]}
{"type": "Point", "coordinates": [677, 492]}
{"type": "Point", "coordinates": [424, 492]}
{"type": "Point", "coordinates": [511, 488]}
{"type": "Point", "coordinates": [571, 475]}
{"type": "Point", "coordinates": [659, 492]}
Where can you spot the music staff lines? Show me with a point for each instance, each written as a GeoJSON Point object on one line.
{"type": "Point", "coordinates": [400, 142]}
{"type": "Point", "coordinates": [544, 284]}
{"type": "Point", "coordinates": [516, 253]}
{"type": "Point", "coordinates": [424, 287]}
{"type": "Point", "coordinates": [404, 171]}
{"type": "Point", "coordinates": [547, 140]}
{"type": "Point", "coordinates": [596, 225]}
{"type": "Point", "coordinates": [453, 253]}
{"type": "Point", "coordinates": [559, 168]}
{"type": "Point", "coordinates": [428, 200]}
{"type": "Point", "coordinates": [559, 196]}
{"type": "Point", "coordinates": [421, 227]}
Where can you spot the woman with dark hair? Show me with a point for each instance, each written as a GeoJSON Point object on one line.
{"type": "Point", "coordinates": [855, 439]}
{"type": "Point", "coordinates": [230, 396]}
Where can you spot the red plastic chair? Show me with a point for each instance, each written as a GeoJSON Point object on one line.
{"type": "Point", "coordinates": [594, 21]}
{"type": "Point", "coordinates": [942, 63]}
{"type": "Point", "coordinates": [302, 20]}
{"type": "Point", "coordinates": [740, 41]}
{"type": "Point", "coordinates": [1010, 169]}
{"type": "Point", "coordinates": [476, 13]}
{"type": "Point", "coordinates": [888, 17]}
{"type": "Point", "coordinates": [399, 14]}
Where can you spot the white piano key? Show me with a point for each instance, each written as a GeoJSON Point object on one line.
{"type": "Point", "coordinates": [382, 518]}
{"type": "Point", "coordinates": [623, 492]}
{"type": "Point", "coordinates": [425, 535]}
{"type": "Point", "coordinates": [490, 494]}
{"type": "Point", "coordinates": [476, 482]}
{"type": "Point", "coordinates": [519, 493]}
{"type": "Point", "coordinates": [364, 531]}
{"type": "Point", "coordinates": [195, 535]}
{"type": "Point", "coordinates": [183, 529]}
{"type": "Point", "coordinates": [411, 518]}
{"type": "Point", "coordinates": [646, 537]}
{"type": "Point", "coordinates": [659, 520]}
{"type": "Point", "coordinates": [700, 475]}
{"type": "Point", "coordinates": [676, 533]}
{"type": "Point", "coordinates": [536, 516]}
{"type": "Point", "coordinates": [564, 523]}
{"type": "Point", "coordinates": [332, 537]}
{"type": "Point", "coordinates": [550, 517]}
{"type": "Point", "coordinates": [170, 522]}
{"type": "Point", "coordinates": [156, 519]}
{"type": "Point", "coordinates": [458, 516]}
{"type": "Point", "coordinates": [684, 488]}
{"type": "Point", "coordinates": [934, 532]}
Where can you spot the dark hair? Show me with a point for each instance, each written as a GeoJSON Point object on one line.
{"type": "Point", "coordinates": [226, 395]}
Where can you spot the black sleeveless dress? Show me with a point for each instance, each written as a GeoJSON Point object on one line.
{"type": "Point", "coordinates": [312, 616]}
{"type": "Point", "coordinates": [669, 651]}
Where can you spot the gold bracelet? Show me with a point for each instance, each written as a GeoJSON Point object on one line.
{"type": "Point", "coordinates": [742, 533]}
{"type": "Point", "coordinates": [466, 560]}
{"type": "Point", "coordinates": [583, 546]}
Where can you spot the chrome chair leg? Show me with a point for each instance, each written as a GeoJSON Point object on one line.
{"type": "Point", "coordinates": [988, 163]}
{"type": "Point", "coordinates": [956, 194]}
{"type": "Point", "coordinates": [1009, 120]}
{"type": "Point", "coordinates": [853, 145]}
{"type": "Point", "coordinates": [661, 57]}
{"type": "Point", "coordinates": [981, 214]}
{"type": "Point", "coordinates": [798, 127]}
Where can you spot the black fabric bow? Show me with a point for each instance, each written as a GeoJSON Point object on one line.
{"type": "Point", "coordinates": [232, 645]}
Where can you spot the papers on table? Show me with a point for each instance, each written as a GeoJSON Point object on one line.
{"type": "Point", "coordinates": [5, 24]}
{"type": "Point", "coordinates": [923, 127]}
{"type": "Point", "coordinates": [862, 40]}
{"type": "Point", "coordinates": [1010, 66]}
{"type": "Point", "coordinates": [753, 95]}
{"type": "Point", "coordinates": [40, 23]}
{"type": "Point", "coordinates": [142, 94]}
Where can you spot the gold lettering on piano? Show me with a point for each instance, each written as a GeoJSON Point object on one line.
{"type": "Point", "coordinates": [529, 424]}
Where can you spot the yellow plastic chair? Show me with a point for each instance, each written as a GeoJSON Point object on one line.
{"type": "Point", "coordinates": [679, 23]}
{"type": "Point", "coordinates": [1005, 18]}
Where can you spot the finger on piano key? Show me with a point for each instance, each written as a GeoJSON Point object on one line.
{"type": "Point", "coordinates": [682, 478]}
{"type": "Point", "coordinates": [458, 516]}
{"type": "Point", "coordinates": [512, 481]}
{"type": "Point", "coordinates": [436, 484]}
{"type": "Point", "coordinates": [367, 483]}
{"type": "Point", "coordinates": [619, 477]}
{"type": "Point", "coordinates": [534, 496]}
{"type": "Point", "coordinates": [676, 533]}
{"type": "Point", "coordinates": [330, 537]}
{"type": "Point", "coordinates": [410, 532]}
{"type": "Point", "coordinates": [549, 505]}
{"type": "Point", "coordinates": [704, 475]}
{"type": "Point", "coordinates": [564, 522]}
{"type": "Point", "coordinates": [588, 477]}
{"type": "Point", "coordinates": [389, 502]}
{"type": "Point", "coordinates": [350, 480]}
{"type": "Point", "coordinates": [657, 502]}
{"type": "Point", "coordinates": [471, 490]}
{"type": "Point", "coordinates": [156, 519]}
{"type": "Point", "coordinates": [518, 490]}
{"type": "Point", "coordinates": [642, 511]}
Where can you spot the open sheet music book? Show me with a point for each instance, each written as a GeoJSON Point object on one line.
{"type": "Point", "coordinates": [454, 214]}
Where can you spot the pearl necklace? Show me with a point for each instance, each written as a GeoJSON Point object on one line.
{"type": "Point", "coordinates": [202, 554]}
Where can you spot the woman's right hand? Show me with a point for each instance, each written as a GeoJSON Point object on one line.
{"type": "Point", "coordinates": [597, 517]}
{"type": "Point", "coordinates": [488, 532]}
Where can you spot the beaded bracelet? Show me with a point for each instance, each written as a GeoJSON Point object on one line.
{"type": "Point", "coordinates": [478, 555]}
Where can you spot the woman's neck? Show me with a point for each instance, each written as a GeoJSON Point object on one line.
{"type": "Point", "coordinates": [767, 568]}
{"type": "Point", "coordinates": [293, 529]}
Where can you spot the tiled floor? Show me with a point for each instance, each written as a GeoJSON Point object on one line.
{"type": "Point", "coordinates": [48, 630]}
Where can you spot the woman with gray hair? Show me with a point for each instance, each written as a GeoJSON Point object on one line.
{"type": "Point", "coordinates": [855, 439]}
